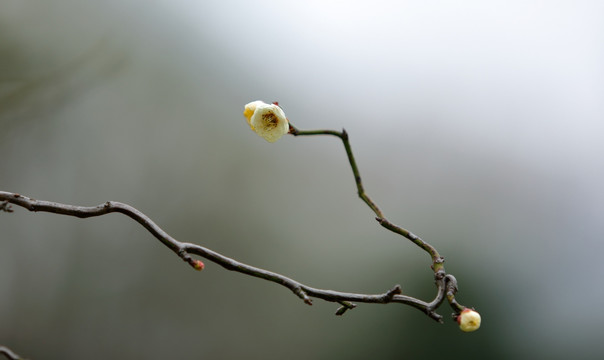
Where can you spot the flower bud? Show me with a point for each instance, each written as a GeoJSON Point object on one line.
{"type": "Point", "coordinates": [198, 265]}
{"type": "Point", "coordinates": [266, 120]}
{"type": "Point", "coordinates": [469, 320]}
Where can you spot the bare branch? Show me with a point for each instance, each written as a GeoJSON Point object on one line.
{"type": "Point", "coordinates": [442, 280]}
{"type": "Point", "coordinates": [185, 250]}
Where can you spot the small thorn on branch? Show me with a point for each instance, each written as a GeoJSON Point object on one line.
{"type": "Point", "coordinates": [344, 134]}
{"type": "Point", "coordinates": [396, 290]}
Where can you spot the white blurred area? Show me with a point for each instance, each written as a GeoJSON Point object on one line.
{"type": "Point", "coordinates": [476, 125]}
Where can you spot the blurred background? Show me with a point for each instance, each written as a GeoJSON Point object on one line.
{"type": "Point", "coordinates": [476, 125]}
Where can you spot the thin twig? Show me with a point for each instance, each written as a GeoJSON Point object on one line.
{"type": "Point", "coordinates": [441, 279]}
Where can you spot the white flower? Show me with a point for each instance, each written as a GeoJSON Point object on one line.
{"type": "Point", "coordinates": [469, 320]}
{"type": "Point", "coordinates": [267, 120]}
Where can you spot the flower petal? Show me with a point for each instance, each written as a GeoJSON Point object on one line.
{"type": "Point", "coordinates": [249, 110]}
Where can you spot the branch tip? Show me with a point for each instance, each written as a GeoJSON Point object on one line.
{"type": "Point", "coordinates": [344, 134]}
{"type": "Point", "coordinates": [341, 310]}
{"type": "Point", "coordinates": [396, 290]}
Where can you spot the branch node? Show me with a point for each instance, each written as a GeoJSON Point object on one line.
{"type": "Point", "coordinates": [293, 130]}
{"type": "Point", "coordinates": [439, 275]}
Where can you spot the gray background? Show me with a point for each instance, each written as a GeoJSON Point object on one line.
{"type": "Point", "coordinates": [476, 125]}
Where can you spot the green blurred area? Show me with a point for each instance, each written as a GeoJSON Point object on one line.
{"type": "Point", "coordinates": [475, 126]}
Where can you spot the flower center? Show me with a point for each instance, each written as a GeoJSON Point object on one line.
{"type": "Point", "coordinates": [270, 120]}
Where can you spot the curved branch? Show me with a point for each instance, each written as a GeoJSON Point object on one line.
{"type": "Point", "coordinates": [444, 283]}
{"type": "Point", "coordinates": [185, 250]}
